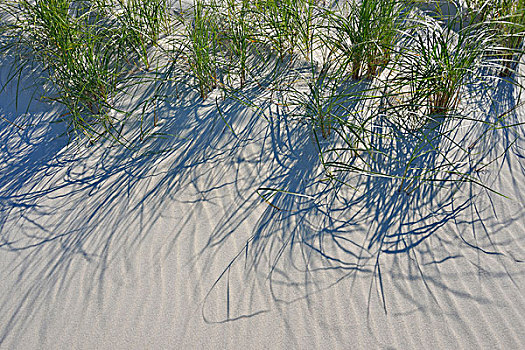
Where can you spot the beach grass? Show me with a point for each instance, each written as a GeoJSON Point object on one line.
{"type": "Point", "coordinates": [392, 94]}
{"type": "Point", "coordinates": [86, 50]}
{"type": "Point", "coordinates": [341, 69]}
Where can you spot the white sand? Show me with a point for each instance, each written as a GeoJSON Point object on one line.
{"type": "Point", "coordinates": [111, 249]}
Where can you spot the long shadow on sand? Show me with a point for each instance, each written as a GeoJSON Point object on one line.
{"type": "Point", "coordinates": [66, 203]}
{"type": "Point", "coordinates": [315, 233]}
{"type": "Point", "coordinates": [64, 206]}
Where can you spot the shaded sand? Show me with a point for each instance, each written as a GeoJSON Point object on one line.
{"type": "Point", "coordinates": [169, 245]}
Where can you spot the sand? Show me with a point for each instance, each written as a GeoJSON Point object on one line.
{"type": "Point", "coordinates": [169, 246]}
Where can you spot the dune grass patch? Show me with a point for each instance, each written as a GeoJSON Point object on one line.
{"type": "Point", "coordinates": [383, 88]}
{"type": "Point", "coordinates": [86, 51]}
{"type": "Point", "coordinates": [341, 69]}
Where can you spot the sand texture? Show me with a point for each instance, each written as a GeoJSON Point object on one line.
{"type": "Point", "coordinates": [170, 246]}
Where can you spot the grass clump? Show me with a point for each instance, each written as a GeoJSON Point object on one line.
{"type": "Point", "coordinates": [436, 63]}
{"type": "Point", "coordinates": [70, 46]}
{"type": "Point", "coordinates": [278, 21]}
{"type": "Point", "coordinates": [505, 19]}
{"type": "Point", "coordinates": [364, 34]}
{"type": "Point", "coordinates": [202, 48]}
{"type": "Point", "coordinates": [87, 52]}
{"type": "Point", "coordinates": [142, 23]}
{"type": "Point", "coordinates": [508, 20]}
{"type": "Point", "coordinates": [238, 37]}
{"type": "Point", "coordinates": [321, 103]}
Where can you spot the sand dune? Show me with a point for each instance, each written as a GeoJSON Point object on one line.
{"type": "Point", "coordinates": [169, 245]}
{"type": "Point", "coordinates": [106, 248]}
